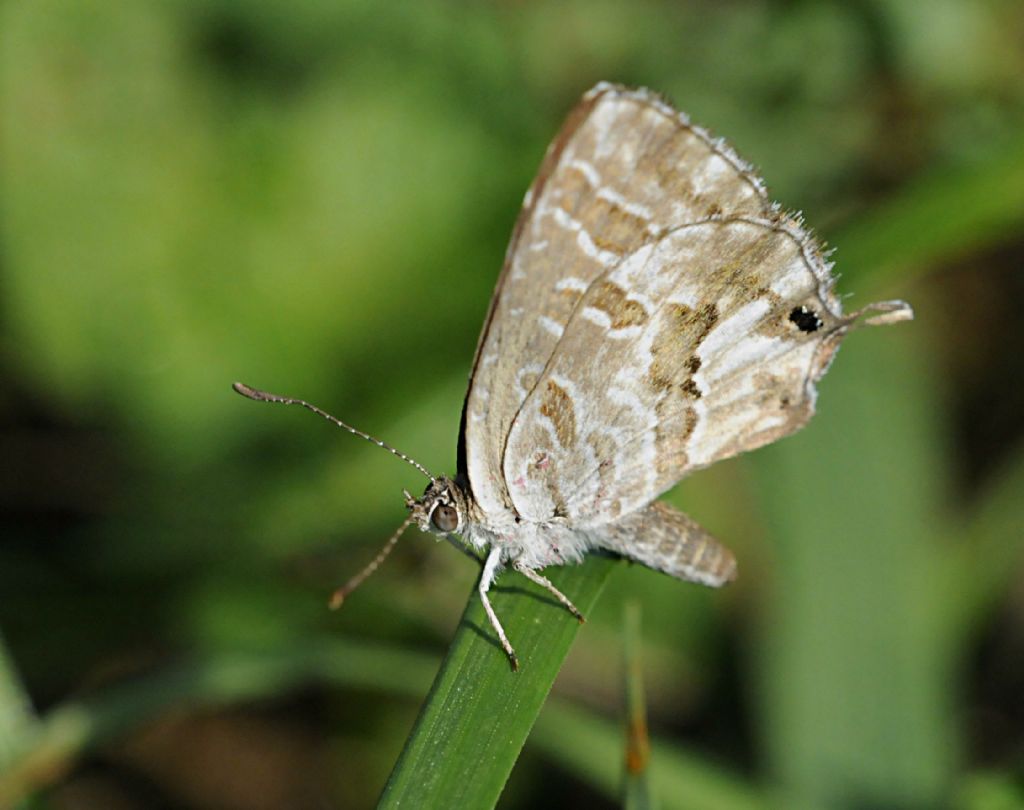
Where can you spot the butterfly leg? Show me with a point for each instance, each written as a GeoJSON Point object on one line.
{"type": "Point", "coordinates": [545, 583]}
{"type": "Point", "coordinates": [486, 578]}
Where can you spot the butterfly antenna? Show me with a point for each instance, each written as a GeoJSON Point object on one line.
{"type": "Point", "coordinates": [264, 396]}
{"type": "Point", "coordinates": [340, 595]}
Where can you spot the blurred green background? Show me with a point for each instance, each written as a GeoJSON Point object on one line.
{"type": "Point", "coordinates": [315, 197]}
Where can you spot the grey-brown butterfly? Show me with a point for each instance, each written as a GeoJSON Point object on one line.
{"type": "Point", "coordinates": [656, 313]}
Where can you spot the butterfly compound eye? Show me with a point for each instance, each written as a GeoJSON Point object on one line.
{"type": "Point", "coordinates": [445, 518]}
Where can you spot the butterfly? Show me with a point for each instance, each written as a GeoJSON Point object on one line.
{"type": "Point", "coordinates": [656, 312]}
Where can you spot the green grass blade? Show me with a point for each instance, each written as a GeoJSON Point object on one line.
{"type": "Point", "coordinates": [474, 722]}
{"type": "Point", "coordinates": [635, 781]}
{"type": "Point", "coordinates": [591, 747]}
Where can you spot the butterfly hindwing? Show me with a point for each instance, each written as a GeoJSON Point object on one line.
{"type": "Point", "coordinates": [694, 348]}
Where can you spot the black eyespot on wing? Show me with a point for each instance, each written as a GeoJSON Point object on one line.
{"type": "Point", "coordinates": [445, 518]}
{"type": "Point", "coordinates": [806, 319]}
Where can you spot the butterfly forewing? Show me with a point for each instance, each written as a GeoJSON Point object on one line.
{"type": "Point", "coordinates": [625, 170]}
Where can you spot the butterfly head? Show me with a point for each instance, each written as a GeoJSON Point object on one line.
{"type": "Point", "coordinates": [441, 510]}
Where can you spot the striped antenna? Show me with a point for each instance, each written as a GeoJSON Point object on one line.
{"type": "Point", "coordinates": [340, 595]}
{"type": "Point", "coordinates": [263, 396]}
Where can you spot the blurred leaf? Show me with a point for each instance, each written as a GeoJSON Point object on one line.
{"type": "Point", "coordinates": [945, 213]}
{"type": "Point", "coordinates": [985, 557]}
{"type": "Point", "coordinates": [579, 740]}
{"type": "Point", "coordinates": [990, 790]}
{"type": "Point", "coordinates": [503, 707]}
{"type": "Point", "coordinates": [856, 671]}
{"type": "Point", "coordinates": [475, 720]}
{"type": "Point", "coordinates": [17, 719]}
{"type": "Point", "coordinates": [79, 726]}
{"type": "Point", "coordinates": [591, 748]}
{"type": "Point", "coordinates": [159, 247]}
{"type": "Point", "coordinates": [857, 652]}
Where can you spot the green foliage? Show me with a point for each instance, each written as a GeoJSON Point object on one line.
{"type": "Point", "coordinates": [478, 712]}
{"type": "Point", "coordinates": [584, 743]}
{"type": "Point", "coordinates": [315, 197]}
